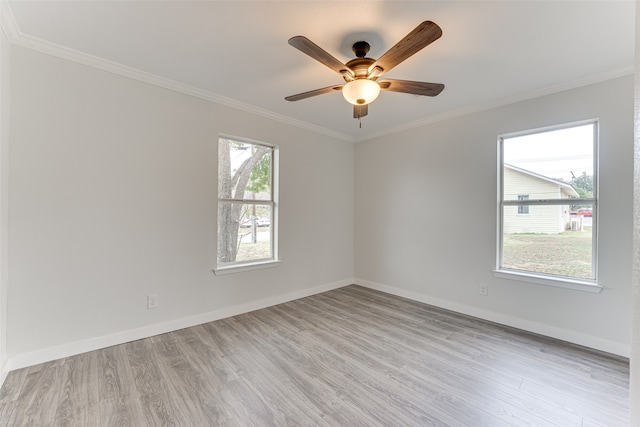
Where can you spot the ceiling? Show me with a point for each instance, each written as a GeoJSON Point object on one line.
{"type": "Point", "coordinates": [236, 52]}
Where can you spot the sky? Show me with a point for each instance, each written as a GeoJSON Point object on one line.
{"type": "Point", "coordinates": [554, 154]}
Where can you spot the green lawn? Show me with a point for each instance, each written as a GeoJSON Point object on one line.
{"type": "Point", "coordinates": [567, 253]}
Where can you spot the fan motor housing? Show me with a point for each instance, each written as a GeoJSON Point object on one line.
{"type": "Point", "coordinates": [360, 66]}
{"type": "Point", "coordinates": [363, 71]}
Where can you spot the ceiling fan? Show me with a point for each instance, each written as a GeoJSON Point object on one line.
{"type": "Point", "coordinates": [361, 74]}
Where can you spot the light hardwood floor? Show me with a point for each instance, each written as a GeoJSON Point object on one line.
{"type": "Point", "coordinates": [349, 357]}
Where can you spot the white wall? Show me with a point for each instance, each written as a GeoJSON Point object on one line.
{"type": "Point", "coordinates": [5, 103]}
{"type": "Point", "coordinates": [426, 217]}
{"type": "Point", "coordinates": [113, 197]}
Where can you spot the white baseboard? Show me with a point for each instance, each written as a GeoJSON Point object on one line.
{"type": "Point", "coordinates": [83, 346]}
{"type": "Point", "coordinates": [77, 347]}
{"type": "Point", "coordinates": [585, 340]}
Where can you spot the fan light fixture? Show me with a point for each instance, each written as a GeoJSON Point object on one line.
{"type": "Point", "coordinates": [362, 74]}
{"type": "Point", "coordinates": [361, 91]}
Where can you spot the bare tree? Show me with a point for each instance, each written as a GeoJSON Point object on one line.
{"type": "Point", "coordinates": [232, 185]}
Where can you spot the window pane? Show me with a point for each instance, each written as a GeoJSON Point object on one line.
{"type": "Point", "coordinates": [244, 232]}
{"type": "Point", "coordinates": [552, 239]}
{"type": "Point", "coordinates": [556, 164]}
{"type": "Point", "coordinates": [244, 170]}
{"type": "Point", "coordinates": [547, 202]}
{"type": "Point", "coordinates": [523, 209]}
{"type": "Point", "coordinates": [245, 201]}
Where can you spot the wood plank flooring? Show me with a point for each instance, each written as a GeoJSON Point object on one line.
{"type": "Point", "coordinates": [348, 357]}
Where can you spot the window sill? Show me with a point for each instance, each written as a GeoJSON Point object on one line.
{"type": "Point", "coordinates": [575, 284]}
{"type": "Point", "coordinates": [239, 268]}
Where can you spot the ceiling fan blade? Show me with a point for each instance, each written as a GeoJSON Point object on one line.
{"type": "Point", "coordinates": [305, 45]}
{"type": "Point", "coordinates": [360, 111]}
{"type": "Point", "coordinates": [304, 95]}
{"type": "Point", "coordinates": [421, 36]}
{"type": "Point", "coordinates": [407, 86]}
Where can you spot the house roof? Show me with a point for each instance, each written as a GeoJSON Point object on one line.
{"type": "Point", "coordinates": [567, 187]}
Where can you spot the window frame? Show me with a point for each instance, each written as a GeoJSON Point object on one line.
{"type": "Point", "coordinates": [273, 261]}
{"type": "Point", "coordinates": [569, 282]}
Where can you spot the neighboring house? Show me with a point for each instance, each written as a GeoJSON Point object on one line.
{"type": "Point", "coordinates": [521, 184]}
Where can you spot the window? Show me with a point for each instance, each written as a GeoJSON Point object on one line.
{"type": "Point", "coordinates": [548, 203]}
{"type": "Point", "coordinates": [246, 202]}
{"type": "Point", "coordinates": [523, 209]}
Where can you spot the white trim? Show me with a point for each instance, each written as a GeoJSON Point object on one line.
{"type": "Point", "coordinates": [236, 138]}
{"type": "Point", "coordinates": [16, 37]}
{"type": "Point", "coordinates": [10, 26]}
{"type": "Point", "coordinates": [273, 203]}
{"type": "Point", "coordinates": [143, 76]}
{"type": "Point", "coordinates": [532, 276]}
{"type": "Point", "coordinates": [524, 96]}
{"type": "Point", "coordinates": [8, 21]}
{"type": "Point", "coordinates": [555, 281]}
{"type": "Point", "coordinates": [239, 268]}
{"type": "Point", "coordinates": [590, 341]}
{"type": "Point", "coordinates": [70, 349]}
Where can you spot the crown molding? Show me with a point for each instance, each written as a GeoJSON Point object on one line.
{"type": "Point", "coordinates": [8, 21]}
{"type": "Point", "coordinates": [524, 96]}
{"type": "Point", "coordinates": [17, 38]}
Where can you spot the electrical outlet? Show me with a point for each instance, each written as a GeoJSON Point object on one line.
{"type": "Point", "coordinates": [152, 301]}
{"type": "Point", "coordinates": [484, 289]}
